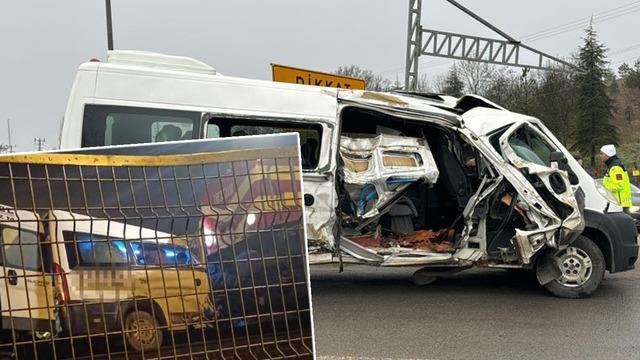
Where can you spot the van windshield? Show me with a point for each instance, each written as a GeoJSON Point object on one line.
{"type": "Point", "coordinates": [120, 125]}
{"type": "Point", "coordinates": [531, 147]}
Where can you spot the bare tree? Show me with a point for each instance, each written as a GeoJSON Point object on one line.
{"type": "Point", "coordinates": [502, 88]}
{"type": "Point", "coordinates": [477, 76]}
{"type": "Point", "coordinates": [440, 83]}
{"type": "Point", "coordinates": [373, 82]}
{"type": "Point", "coordinates": [424, 85]}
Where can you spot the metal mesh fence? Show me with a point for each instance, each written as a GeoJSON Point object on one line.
{"type": "Point", "coordinates": [171, 257]}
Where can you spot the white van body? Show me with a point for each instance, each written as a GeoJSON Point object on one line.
{"type": "Point", "coordinates": [133, 88]}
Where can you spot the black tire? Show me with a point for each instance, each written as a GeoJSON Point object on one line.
{"type": "Point", "coordinates": [578, 279]}
{"type": "Point", "coordinates": [423, 277]}
{"type": "Point", "coordinates": [149, 338]}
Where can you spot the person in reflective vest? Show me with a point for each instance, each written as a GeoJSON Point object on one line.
{"type": "Point", "coordinates": [616, 178]}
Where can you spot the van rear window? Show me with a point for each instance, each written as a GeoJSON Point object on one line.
{"type": "Point", "coordinates": [105, 125]}
{"type": "Point", "coordinates": [20, 249]}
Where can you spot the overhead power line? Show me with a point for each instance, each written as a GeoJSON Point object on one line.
{"type": "Point", "coordinates": [581, 24]}
{"type": "Point", "coordinates": [620, 62]}
{"type": "Point", "coordinates": [624, 50]}
{"type": "Point", "coordinates": [580, 21]}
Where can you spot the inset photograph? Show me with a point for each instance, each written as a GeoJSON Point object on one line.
{"type": "Point", "coordinates": [189, 250]}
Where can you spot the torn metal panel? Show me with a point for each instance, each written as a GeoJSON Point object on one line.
{"type": "Point", "coordinates": [418, 258]}
{"type": "Point", "coordinates": [377, 168]}
{"type": "Point", "coordinates": [529, 202]}
{"type": "Point", "coordinates": [406, 107]}
{"type": "Point", "coordinates": [360, 252]}
{"type": "Point", "coordinates": [548, 220]}
{"type": "Point", "coordinates": [527, 243]}
{"type": "Point", "coordinates": [320, 215]}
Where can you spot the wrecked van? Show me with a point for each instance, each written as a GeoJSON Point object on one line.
{"type": "Point", "coordinates": [390, 179]}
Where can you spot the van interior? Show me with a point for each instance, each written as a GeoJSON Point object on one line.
{"type": "Point", "coordinates": [417, 217]}
{"type": "Point", "coordinates": [428, 216]}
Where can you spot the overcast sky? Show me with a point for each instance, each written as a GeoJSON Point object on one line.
{"type": "Point", "coordinates": [43, 42]}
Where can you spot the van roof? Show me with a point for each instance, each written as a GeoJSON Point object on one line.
{"type": "Point", "coordinates": [478, 114]}
{"type": "Point", "coordinates": [159, 61]}
{"type": "Point", "coordinates": [107, 227]}
{"type": "Point", "coordinates": [483, 121]}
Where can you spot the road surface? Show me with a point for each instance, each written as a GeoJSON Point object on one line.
{"type": "Point", "coordinates": [372, 313]}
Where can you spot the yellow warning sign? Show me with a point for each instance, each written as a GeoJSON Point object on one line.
{"type": "Point", "coordinates": [288, 74]}
{"type": "Point", "coordinates": [636, 172]}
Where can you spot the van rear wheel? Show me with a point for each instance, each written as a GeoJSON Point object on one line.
{"type": "Point", "coordinates": [581, 266]}
{"type": "Point", "coordinates": [142, 331]}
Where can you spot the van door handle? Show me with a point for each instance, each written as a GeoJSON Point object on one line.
{"type": "Point", "coordinates": [13, 277]}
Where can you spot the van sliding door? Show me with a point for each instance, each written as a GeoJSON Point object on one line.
{"type": "Point", "coordinates": [318, 139]}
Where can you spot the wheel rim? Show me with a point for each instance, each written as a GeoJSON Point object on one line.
{"type": "Point", "coordinates": [575, 266]}
{"type": "Point", "coordinates": [142, 331]}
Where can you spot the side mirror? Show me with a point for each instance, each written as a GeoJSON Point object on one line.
{"type": "Point", "coordinates": [558, 160]}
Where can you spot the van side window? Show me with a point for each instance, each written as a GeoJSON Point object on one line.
{"type": "Point", "coordinates": [20, 249]}
{"type": "Point", "coordinates": [119, 125]}
{"type": "Point", "coordinates": [87, 249]}
{"type": "Point", "coordinates": [310, 134]}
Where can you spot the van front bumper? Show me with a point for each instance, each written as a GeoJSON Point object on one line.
{"type": "Point", "coordinates": [620, 229]}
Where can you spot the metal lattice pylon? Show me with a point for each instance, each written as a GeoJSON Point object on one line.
{"type": "Point", "coordinates": [449, 45]}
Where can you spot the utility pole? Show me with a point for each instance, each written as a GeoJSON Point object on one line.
{"type": "Point", "coordinates": [109, 25]}
{"type": "Point", "coordinates": [10, 146]}
{"type": "Point", "coordinates": [39, 142]}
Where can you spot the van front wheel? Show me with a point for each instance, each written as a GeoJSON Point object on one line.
{"type": "Point", "coordinates": [581, 266]}
{"type": "Point", "coordinates": [142, 331]}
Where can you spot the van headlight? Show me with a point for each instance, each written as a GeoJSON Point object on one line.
{"type": "Point", "coordinates": [604, 192]}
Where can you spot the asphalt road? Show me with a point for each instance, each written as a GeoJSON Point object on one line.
{"type": "Point", "coordinates": [480, 314]}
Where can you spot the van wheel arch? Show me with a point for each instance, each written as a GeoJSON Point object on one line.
{"type": "Point", "coordinates": [148, 305]}
{"type": "Point", "coordinates": [603, 243]}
